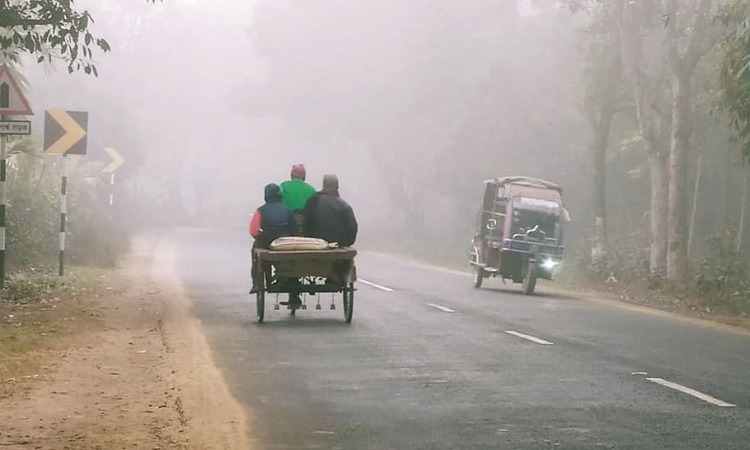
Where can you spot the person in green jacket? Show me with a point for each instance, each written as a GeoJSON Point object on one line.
{"type": "Point", "coordinates": [295, 193]}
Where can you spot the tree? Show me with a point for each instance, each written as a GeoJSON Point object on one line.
{"type": "Point", "coordinates": [601, 80]}
{"type": "Point", "coordinates": [49, 29]}
{"type": "Point", "coordinates": [643, 64]}
{"type": "Point", "coordinates": [688, 39]}
{"type": "Point", "coordinates": [734, 72]}
{"type": "Point", "coordinates": [734, 83]}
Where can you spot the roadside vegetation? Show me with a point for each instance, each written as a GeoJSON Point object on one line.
{"type": "Point", "coordinates": [40, 310]}
{"type": "Point", "coordinates": [641, 115]}
{"type": "Point", "coordinates": [33, 218]}
{"type": "Point", "coordinates": [639, 110]}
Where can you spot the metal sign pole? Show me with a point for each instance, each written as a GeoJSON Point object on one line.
{"type": "Point", "coordinates": [111, 189]}
{"type": "Point", "coordinates": [3, 155]}
{"type": "Point", "coordinates": [63, 211]}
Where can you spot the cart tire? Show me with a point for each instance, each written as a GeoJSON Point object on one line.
{"type": "Point", "coordinates": [349, 302]}
{"type": "Point", "coordinates": [478, 277]}
{"type": "Point", "coordinates": [529, 279]}
{"type": "Point", "coordinates": [260, 305]}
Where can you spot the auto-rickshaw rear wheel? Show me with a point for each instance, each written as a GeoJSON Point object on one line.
{"type": "Point", "coordinates": [529, 279]}
{"type": "Point", "coordinates": [478, 277]}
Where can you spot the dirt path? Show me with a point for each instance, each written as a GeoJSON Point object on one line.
{"type": "Point", "coordinates": [141, 377]}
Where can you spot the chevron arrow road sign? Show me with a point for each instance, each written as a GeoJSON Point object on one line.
{"type": "Point", "coordinates": [65, 132]}
{"type": "Point", "coordinates": [117, 160]}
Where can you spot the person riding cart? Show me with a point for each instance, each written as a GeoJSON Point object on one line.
{"type": "Point", "coordinates": [327, 216]}
{"type": "Point", "coordinates": [295, 193]}
{"type": "Point", "coordinates": [269, 222]}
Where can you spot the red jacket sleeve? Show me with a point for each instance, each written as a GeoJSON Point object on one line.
{"type": "Point", "coordinates": [255, 229]}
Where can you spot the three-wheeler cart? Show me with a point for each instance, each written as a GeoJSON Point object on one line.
{"type": "Point", "coordinates": [305, 272]}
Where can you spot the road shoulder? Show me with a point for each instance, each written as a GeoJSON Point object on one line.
{"type": "Point", "coordinates": [141, 376]}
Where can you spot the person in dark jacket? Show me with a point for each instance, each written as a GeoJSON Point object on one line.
{"type": "Point", "coordinates": [269, 222]}
{"type": "Point", "coordinates": [328, 216]}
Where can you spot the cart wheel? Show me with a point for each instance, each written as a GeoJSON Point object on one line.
{"type": "Point", "coordinates": [478, 277]}
{"type": "Point", "coordinates": [260, 305]}
{"type": "Point", "coordinates": [529, 279]}
{"type": "Point", "coordinates": [349, 302]}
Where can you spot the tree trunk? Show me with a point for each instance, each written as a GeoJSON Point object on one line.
{"type": "Point", "coordinates": [677, 263]}
{"type": "Point", "coordinates": [659, 202]}
{"type": "Point", "coordinates": [743, 208]}
{"type": "Point", "coordinates": [628, 15]}
{"type": "Point", "coordinates": [598, 149]}
{"type": "Point", "coordinates": [694, 208]}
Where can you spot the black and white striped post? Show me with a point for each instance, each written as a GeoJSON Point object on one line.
{"type": "Point", "coordinates": [63, 211]}
{"type": "Point", "coordinates": [3, 156]}
{"type": "Point", "coordinates": [111, 189]}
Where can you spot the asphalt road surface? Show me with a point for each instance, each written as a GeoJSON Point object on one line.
{"type": "Point", "coordinates": [431, 363]}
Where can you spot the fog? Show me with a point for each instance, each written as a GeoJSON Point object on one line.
{"type": "Point", "coordinates": [411, 103]}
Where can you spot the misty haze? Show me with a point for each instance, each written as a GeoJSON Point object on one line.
{"type": "Point", "coordinates": [374, 224]}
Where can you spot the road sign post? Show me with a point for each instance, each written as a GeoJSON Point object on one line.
{"type": "Point", "coordinates": [63, 212]}
{"type": "Point", "coordinates": [3, 155]}
{"type": "Point", "coordinates": [65, 133]}
{"type": "Point", "coordinates": [12, 103]}
{"type": "Point", "coordinates": [111, 168]}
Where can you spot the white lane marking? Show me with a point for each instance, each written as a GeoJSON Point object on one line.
{"type": "Point", "coordinates": [530, 338]}
{"type": "Point", "coordinates": [693, 392]}
{"type": "Point", "coordinates": [441, 308]}
{"type": "Point", "coordinates": [376, 286]}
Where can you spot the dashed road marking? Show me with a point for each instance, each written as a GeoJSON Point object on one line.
{"type": "Point", "coordinates": [376, 286]}
{"type": "Point", "coordinates": [441, 308]}
{"type": "Point", "coordinates": [529, 338]}
{"type": "Point", "coordinates": [684, 389]}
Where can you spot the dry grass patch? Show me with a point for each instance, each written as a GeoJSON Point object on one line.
{"type": "Point", "coordinates": [40, 317]}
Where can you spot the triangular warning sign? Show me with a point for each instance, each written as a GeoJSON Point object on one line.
{"type": "Point", "coordinates": [12, 100]}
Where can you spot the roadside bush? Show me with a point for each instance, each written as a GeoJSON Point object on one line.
{"type": "Point", "coordinates": [627, 257]}
{"type": "Point", "coordinates": [33, 213]}
{"type": "Point", "coordinates": [722, 269]}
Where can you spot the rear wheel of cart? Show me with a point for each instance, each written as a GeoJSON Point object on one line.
{"type": "Point", "coordinates": [478, 277]}
{"type": "Point", "coordinates": [349, 302]}
{"type": "Point", "coordinates": [529, 279]}
{"type": "Point", "coordinates": [260, 305]}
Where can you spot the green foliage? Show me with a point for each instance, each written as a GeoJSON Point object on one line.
{"type": "Point", "coordinates": [31, 218]}
{"type": "Point", "coordinates": [49, 29]}
{"type": "Point", "coordinates": [94, 239]}
{"type": "Point", "coordinates": [734, 71]}
{"type": "Point", "coordinates": [627, 258]}
{"type": "Point", "coordinates": [33, 213]}
{"type": "Point", "coordinates": [722, 269]}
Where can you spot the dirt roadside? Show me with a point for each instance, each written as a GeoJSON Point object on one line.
{"type": "Point", "coordinates": [134, 371]}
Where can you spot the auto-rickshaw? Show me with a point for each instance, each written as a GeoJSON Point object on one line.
{"type": "Point", "coordinates": [519, 235]}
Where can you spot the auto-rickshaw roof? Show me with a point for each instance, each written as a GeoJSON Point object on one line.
{"type": "Point", "coordinates": [525, 181]}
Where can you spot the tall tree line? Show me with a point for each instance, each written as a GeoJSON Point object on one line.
{"type": "Point", "coordinates": [653, 54]}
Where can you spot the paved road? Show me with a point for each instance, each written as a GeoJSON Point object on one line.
{"type": "Point", "coordinates": [432, 363]}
